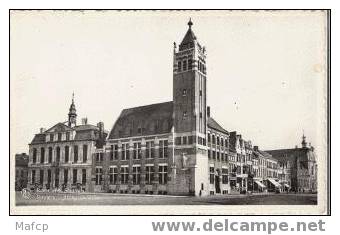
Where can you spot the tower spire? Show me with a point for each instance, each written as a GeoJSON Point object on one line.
{"type": "Point", "coordinates": [72, 114]}
{"type": "Point", "coordinates": [303, 143]}
{"type": "Point", "coordinates": [190, 23]}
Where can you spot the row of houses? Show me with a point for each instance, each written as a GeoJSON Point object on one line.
{"type": "Point", "coordinates": [174, 147]}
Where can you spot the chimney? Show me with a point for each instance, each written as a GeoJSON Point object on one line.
{"type": "Point", "coordinates": [208, 111]}
{"type": "Point", "coordinates": [256, 148]}
{"type": "Point", "coordinates": [84, 121]}
{"type": "Point", "coordinates": [42, 130]}
{"type": "Point", "coordinates": [100, 125]}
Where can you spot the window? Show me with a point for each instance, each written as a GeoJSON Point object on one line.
{"type": "Point", "coordinates": [125, 152]}
{"type": "Point", "coordinates": [50, 152]}
{"type": "Point", "coordinates": [99, 157]}
{"type": "Point", "coordinates": [33, 177]}
{"type": "Point", "coordinates": [67, 136]}
{"type": "Point", "coordinates": [65, 176]}
{"type": "Point", "coordinates": [42, 155]}
{"type": "Point", "coordinates": [209, 140]}
{"type": "Point", "coordinates": [75, 153]}
{"type": "Point", "coordinates": [224, 176]}
{"type": "Point", "coordinates": [184, 92]}
{"type": "Point", "coordinates": [149, 174]}
{"type": "Point", "coordinates": [115, 152]}
{"type": "Point", "coordinates": [209, 154]}
{"type": "Point", "coordinates": [59, 136]}
{"type": "Point", "coordinates": [190, 139]}
{"type": "Point", "coordinates": [58, 154]}
{"type": "Point", "coordinates": [189, 64]}
{"type": "Point", "coordinates": [163, 174]}
{"type": "Point", "coordinates": [75, 172]}
{"type": "Point", "coordinates": [83, 176]}
{"type": "Point", "coordinates": [179, 66]}
{"type": "Point", "coordinates": [84, 153]}
{"type": "Point", "coordinates": [178, 140]}
{"type": "Point", "coordinates": [34, 157]}
{"type": "Point", "coordinates": [56, 181]}
{"type": "Point", "coordinates": [124, 172]}
{"type": "Point", "coordinates": [51, 137]}
{"type": "Point", "coordinates": [99, 175]}
{"type": "Point", "coordinates": [184, 140]}
{"type": "Point", "coordinates": [136, 174]}
{"type": "Point", "coordinates": [163, 149]}
{"type": "Point", "coordinates": [218, 140]}
{"type": "Point", "coordinates": [113, 175]}
{"type": "Point", "coordinates": [212, 175]}
{"type": "Point", "coordinates": [41, 177]}
{"type": "Point", "coordinates": [213, 139]}
{"type": "Point", "coordinates": [67, 153]}
{"type": "Point", "coordinates": [214, 154]}
{"type": "Point", "coordinates": [49, 176]}
{"type": "Point", "coordinates": [218, 156]}
{"type": "Point", "coordinates": [150, 147]}
{"type": "Point", "coordinates": [184, 65]}
{"type": "Point", "coordinates": [137, 151]}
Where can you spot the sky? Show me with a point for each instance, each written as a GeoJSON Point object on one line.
{"type": "Point", "coordinates": [266, 71]}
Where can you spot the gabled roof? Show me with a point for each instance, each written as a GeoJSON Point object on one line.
{"type": "Point", "coordinates": [214, 125]}
{"type": "Point", "coordinates": [143, 120]}
{"type": "Point", "coordinates": [59, 127]}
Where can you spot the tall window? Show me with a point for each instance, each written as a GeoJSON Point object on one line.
{"type": "Point", "coordinates": [124, 173]}
{"type": "Point", "coordinates": [184, 65]}
{"type": "Point", "coordinates": [51, 137]}
{"type": "Point", "coordinates": [75, 172]}
{"type": "Point", "coordinates": [115, 152]}
{"type": "Point", "coordinates": [213, 139]}
{"type": "Point", "coordinates": [113, 175]}
{"type": "Point", "coordinates": [75, 153]}
{"type": "Point", "coordinates": [163, 149]}
{"type": "Point", "coordinates": [136, 174]}
{"type": "Point", "coordinates": [65, 176]}
{"type": "Point", "coordinates": [179, 66]}
{"type": "Point", "coordinates": [84, 153]}
{"type": "Point", "coordinates": [67, 136]}
{"type": "Point", "coordinates": [42, 155]}
{"type": "Point", "coordinates": [209, 138]}
{"type": "Point", "coordinates": [125, 152]}
{"type": "Point", "coordinates": [67, 153]}
{"type": "Point", "coordinates": [58, 154]}
{"type": "Point", "coordinates": [83, 176]}
{"type": "Point", "coordinates": [59, 136]}
{"type": "Point", "coordinates": [224, 176]}
{"type": "Point", "coordinates": [163, 174]}
{"type": "Point", "coordinates": [150, 148]}
{"type": "Point", "coordinates": [41, 177]}
{"type": "Point", "coordinates": [137, 152]}
{"type": "Point", "coordinates": [212, 175]}
{"type": "Point", "coordinates": [34, 157]}
{"type": "Point", "coordinates": [218, 140]}
{"type": "Point", "coordinates": [50, 152]}
{"type": "Point", "coordinates": [56, 179]}
{"type": "Point", "coordinates": [49, 176]}
{"type": "Point", "coordinates": [99, 157]}
{"type": "Point", "coordinates": [33, 177]}
{"type": "Point", "coordinates": [149, 174]}
{"type": "Point", "coordinates": [189, 64]}
{"type": "Point", "coordinates": [99, 174]}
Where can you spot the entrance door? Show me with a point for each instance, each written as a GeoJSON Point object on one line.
{"type": "Point", "coordinates": [217, 184]}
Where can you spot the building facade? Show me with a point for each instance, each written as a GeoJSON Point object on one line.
{"type": "Point", "coordinates": [60, 158]}
{"type": "Point", "coordinates": [21, 171]}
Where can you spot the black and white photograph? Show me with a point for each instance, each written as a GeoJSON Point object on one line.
{"type": "Point", "coordinates": [169, 112]}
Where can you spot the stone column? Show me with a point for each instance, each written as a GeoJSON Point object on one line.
{"type": "Point", "coordinates": [45, 179]}
{"type": "Point", "coordinates": [52, 177]}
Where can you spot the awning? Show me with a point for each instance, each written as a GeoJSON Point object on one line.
{"type": "Point", "coordinates": [276, 184]}
{"type": "Point", "coordinates": [286, 185]}
{"type": "Point", "coordinates": [260, 184]}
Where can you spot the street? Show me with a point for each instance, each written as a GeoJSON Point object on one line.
{"type": "Point", "coordinates": [134, 199]}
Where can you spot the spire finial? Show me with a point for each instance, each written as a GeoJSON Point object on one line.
{"type": "Point", "coordinates": [190, 23]}
{"type": "Point", "coordinates": [73, 97]}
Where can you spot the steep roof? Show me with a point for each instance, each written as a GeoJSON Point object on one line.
{"type": "Point", "coordinates": [143, 120]}
{"type": "Point", "coordinates": [302, 154]}
{"type": "Point", "coordinates": [214, 125]}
